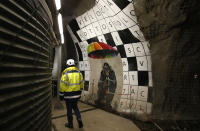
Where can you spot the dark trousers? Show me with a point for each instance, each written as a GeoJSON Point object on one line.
{"type": "Point", "coordinates": [72, 104]}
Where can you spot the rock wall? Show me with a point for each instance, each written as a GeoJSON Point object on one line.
{"type": "Point", "coordinates": [114, 22]}
{"type": "Point", "coordinates": [172, 29]}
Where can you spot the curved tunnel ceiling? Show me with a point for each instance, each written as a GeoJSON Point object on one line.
{"type": "Point", "coordinates": [69, 9]}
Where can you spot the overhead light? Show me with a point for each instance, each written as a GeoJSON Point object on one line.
{"type": "Point", "coordinates": [58, 4]}
{"type": "Point", "coordinates": [60, 25]}
{"type": "Point", "coordinates": [62, 38]}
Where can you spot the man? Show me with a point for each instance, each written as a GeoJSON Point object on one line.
{"type": "Point", "coordinates": [106, 86]}
{"type": "Point", "coordinates": [71, 85]}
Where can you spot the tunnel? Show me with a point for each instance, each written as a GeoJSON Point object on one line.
{"type": "Point", "coordinates": [151, 48]}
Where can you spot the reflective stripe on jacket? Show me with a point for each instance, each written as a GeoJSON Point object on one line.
{"type": "Point", "coordinates": [71, 83]}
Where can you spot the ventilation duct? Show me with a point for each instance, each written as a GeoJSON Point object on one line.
{"type": "Point", "coordinates": [25, 66]}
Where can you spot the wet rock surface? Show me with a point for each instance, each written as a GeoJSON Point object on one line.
{"type": "Point", "coordinates": [172, 28]}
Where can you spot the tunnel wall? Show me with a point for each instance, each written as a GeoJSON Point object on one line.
{"type": "Point", "coordinates": [114, 22]}
{"type": "Point", "coordinates": [172, 28]}
{"type": "Point", "coordinates": [25, 66]}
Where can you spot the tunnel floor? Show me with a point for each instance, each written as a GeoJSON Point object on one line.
{"type": "Point", "coordinates": [94, 119]}
{"type": "Point", "coordinates": [99, 120]}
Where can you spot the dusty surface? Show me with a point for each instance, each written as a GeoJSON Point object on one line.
{"type": "Point", "coordinates": [100, 120]}
{"type": "Point", "coordinates": [93, 119]}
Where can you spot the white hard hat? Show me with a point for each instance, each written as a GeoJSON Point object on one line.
{"type": "Point", "coordinates": [70, 62]}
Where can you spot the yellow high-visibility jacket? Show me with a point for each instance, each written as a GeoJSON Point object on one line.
{"type": "Point", "coordinates": [71, 83]}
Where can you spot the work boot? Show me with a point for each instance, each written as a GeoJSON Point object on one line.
{"type": "Point", "coordinates": [80, 124]}
{"type": "Point", "coordinates": [69, 125]}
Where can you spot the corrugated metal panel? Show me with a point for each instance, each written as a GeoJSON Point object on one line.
{"type": "Point", "coordinates": [25, 75]}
